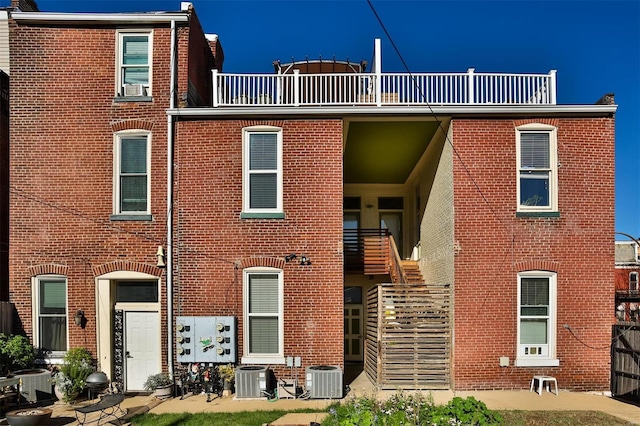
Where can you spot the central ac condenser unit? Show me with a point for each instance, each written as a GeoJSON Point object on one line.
{"type": "Point", "coordinates": [252, 381]}
{"type": "Point", "coordinates": [324, 381]}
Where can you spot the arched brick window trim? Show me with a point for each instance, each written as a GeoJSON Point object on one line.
{"type": "Point", "coordinates": [538, 265]}
{"type": "Point", "coordinates": [555, 122]}
{"type": "Point", "coordinates": [274, 123]}
{"type": "Point", "coordinates": [132, 125]}
{"type": "Point", "coordinates": [125, 265]}
{"type": "Point", "coordinates": [270, 262]}
{"type": "Point", "coordinates": [48, 269]}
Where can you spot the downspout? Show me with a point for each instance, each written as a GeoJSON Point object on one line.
{"type": "Point", "coordinates": [169, 254]}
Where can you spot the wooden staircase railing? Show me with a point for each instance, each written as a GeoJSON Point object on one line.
{"type": "Point", "coordinates": [374, 252]}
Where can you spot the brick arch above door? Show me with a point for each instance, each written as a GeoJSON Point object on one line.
{"type": "Point", "coordinates": [127, 265]}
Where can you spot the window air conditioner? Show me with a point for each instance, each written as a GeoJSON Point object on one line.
{"type": "Point", "coordinates": [252, 381]}
{"type": "Point", "coordinates": [324, 381]}
{"type": "Point", "coordinates": [134, 90]}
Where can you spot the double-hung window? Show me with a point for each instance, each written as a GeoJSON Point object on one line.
{"type": "Point", "coordinates": [536, 319]}
{"type": "Point", "coordinates": [132, 177]}
{"type": "Point", "coordinates": [633, 282]}
{"type": "Point", "coordinates": [50, 313]}
{"type": "Point", "coordinates": [537, 168]}
{"type": "Point", "coordinates": [134, 63]}
{"type": "Point", "coordinates": [262, 172]}
{"type": "Point", "coordinates": [263, 316]}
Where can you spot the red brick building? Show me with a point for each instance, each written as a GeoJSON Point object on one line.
{"type": "Point", "coordinates": [627, 302]}
{"type": "Point", "coordinates": [89, 166]}
{"type": "Point", "coordinates": [4, 186]}
{"type": "Point", "coordinates": [327, 214]}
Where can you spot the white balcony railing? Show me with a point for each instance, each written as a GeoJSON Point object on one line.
{"type": "Point", "coordinates": [380, 89]}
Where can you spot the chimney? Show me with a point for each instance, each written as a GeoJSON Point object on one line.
{"type": "Point", "coordinates": [25, 5]}
{"type": "Point", "coordinates": [606, 100]}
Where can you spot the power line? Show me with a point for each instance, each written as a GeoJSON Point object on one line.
{"type": "Point", "coordinates": [107, 224]}
{"type": "Point", "coordinates": [440, 126]}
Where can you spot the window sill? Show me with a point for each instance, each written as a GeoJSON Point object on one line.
{"type": "Point", "coordinates": [51, 359]}
{"type": "Point", "coordinates": [131, 217]}
{"type": "Point", "coordinates": [537, 214]}
{"type": "Point", "coordinates": [530, 362]}
{"type": "Point", "coordinates": [248, 215]}
{"type": "Point", "coordinates": [263, 360]}
{"type": "Point", "coordinates": [125, 99]}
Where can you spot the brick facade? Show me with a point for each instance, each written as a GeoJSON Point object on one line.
{"type": "Point", "coordinates": [215, 244]}
{"type": "Point", "coordinates": [494, 245]}
{"type": "Point", "coordinates": [4, 186]}
{"type": "Point", "coordinates": [63, 119]}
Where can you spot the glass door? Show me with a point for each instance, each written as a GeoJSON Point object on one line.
{"type": "Point", "coordinates": [353, 331]}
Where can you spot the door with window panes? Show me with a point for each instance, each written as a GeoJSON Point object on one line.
{"type": "Point", "coordinates": [353, 327]}
{"type": "Point", "coordinates": [391, 210]}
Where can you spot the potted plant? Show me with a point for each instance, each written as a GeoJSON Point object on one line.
{"type": "Point", "coordinates": [71, 378]}
{"type": "Point", "coordinates": [227, 374]}
{"type": "Point", "coordinates": [161, 384]}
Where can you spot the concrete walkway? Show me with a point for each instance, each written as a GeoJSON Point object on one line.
{"type": "Point", "coordinates": [63, 414]}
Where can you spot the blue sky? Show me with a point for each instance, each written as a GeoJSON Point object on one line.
{"type": "Point", "coordinates": [594, 45]}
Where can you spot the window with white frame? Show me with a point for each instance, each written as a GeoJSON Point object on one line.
{"type": "Point", "coordinates": [262, 171]}
{"type": "Point", "coordinates": [633, 282]}
{"type": "Point", "coordinates": [263, 316]}
{"type": "Point", "coordinates": [537, 168]}
{"type": "Point", "coordinates": [536, 319]}
{"type": "Point", "coordinates": [50, 313]}
{"type": "Point", "coordinates": [134, 63]}
{"type": "Point", "coordinates": [132, 177]}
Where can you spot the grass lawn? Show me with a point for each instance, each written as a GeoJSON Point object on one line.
{"type": "Point", "coordinates": [258, 418]}
{"type": "Point", "coordinates": [243, 418]}
{"type": "Point", "coordinates": [560, 418]}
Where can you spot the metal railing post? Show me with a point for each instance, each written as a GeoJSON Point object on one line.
{"type": "Point", "coordinates": [470, 86]}
{"type": "Point", "coordinates": [215, 87]}
{"type": "Point", "coordinates": [378, 72]}
{"type": "Point", "coordinates": [552, 87]}
{"type": "Point", "coordinates": [296, 87]}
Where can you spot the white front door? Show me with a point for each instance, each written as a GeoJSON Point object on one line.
{"type": "Point", "coordinates": [142, 348]}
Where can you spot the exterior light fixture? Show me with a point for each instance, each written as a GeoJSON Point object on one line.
{"type": "Point", "coordinates": [160, 256]}
{"type": "Point", "coordinates": [288, 258]}
{"type": "Point", "coordinates": [78, 317]}
{"type": "Point", "coordinates": [304, 260]}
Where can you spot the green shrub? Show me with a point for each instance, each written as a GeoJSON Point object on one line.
{"type": "Point", "coordinates": [16, 353]}
{"type": "Point", "coordinates": [467, 411]}
{"type": "Point", "coordinates": [71, 378]}
{"type": "Point", "coordinates": [156, 381]}
{"type": "Point", "coordinates": [404, 409]}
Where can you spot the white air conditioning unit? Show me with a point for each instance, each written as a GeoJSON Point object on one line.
{"type": "Point", "coordinates": [252, 381]}
{"type": "Point", "coordinates": [324, 381]}
{"type": "Point", "coordinates": [134, 90]}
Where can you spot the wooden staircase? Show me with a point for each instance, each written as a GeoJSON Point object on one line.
{"type": "Point", "coordinates": [412, 272]}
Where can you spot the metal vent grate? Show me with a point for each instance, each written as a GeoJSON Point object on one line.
{"type": "Point", "coordinates": [324, 381]}
{"type": "Point", "coordinates": [36, 384]}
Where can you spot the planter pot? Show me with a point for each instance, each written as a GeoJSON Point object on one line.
{"type": "Point", "coordinates": [58, 392]}
{"type": "Point", "coordinates": [227, 388]}
{"type": "Point", "coordinates": [164, 392]}
{"type": "Point", "coordinates": [29, 417]}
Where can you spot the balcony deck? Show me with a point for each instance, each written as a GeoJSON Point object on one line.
{"type": "Point", "coordinates": [383, 89]}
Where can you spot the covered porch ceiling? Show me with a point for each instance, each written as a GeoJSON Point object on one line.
{"type": "Point", "coordinates": [385, 152]}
